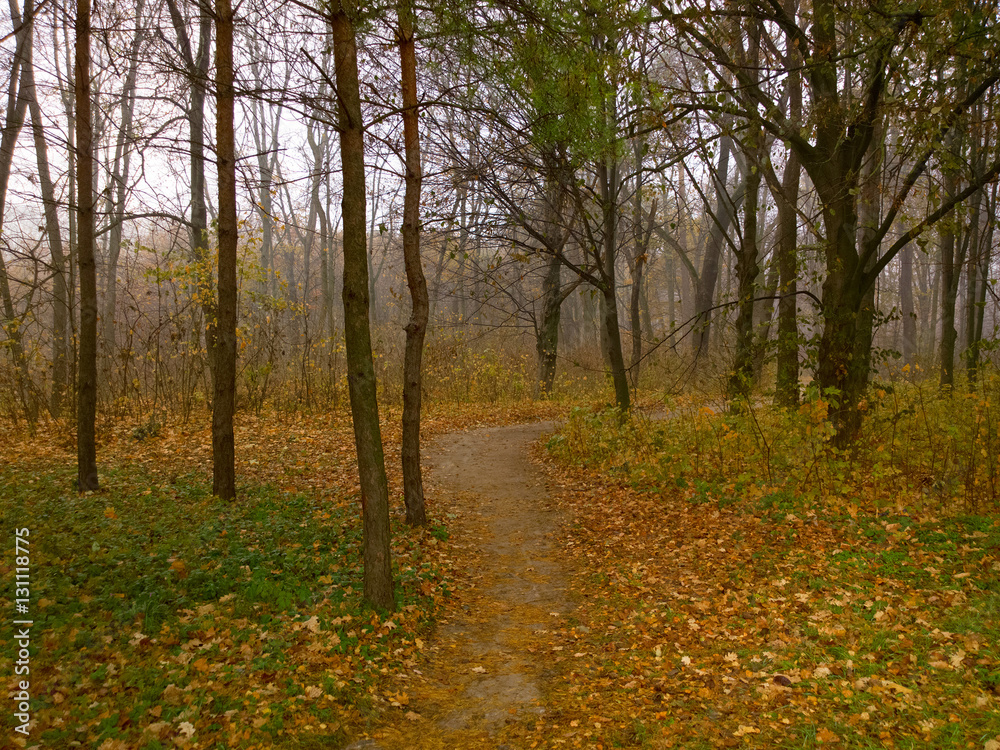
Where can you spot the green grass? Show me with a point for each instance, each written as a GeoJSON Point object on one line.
{"type": "Point", "coordinates": [160, 603]}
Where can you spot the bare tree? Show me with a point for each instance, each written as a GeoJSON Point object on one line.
{"type": "Point", "coordinates": [86, 411]}
{"type": "Point", "coordinates": [378, 583]}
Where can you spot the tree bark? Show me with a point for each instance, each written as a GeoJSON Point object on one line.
{"type": "Point", "coordinates": [786, 388]}
{"type": "Point", "coordinates": [906, 307]}
{"type": "Point", "coordinates": [977, 299]}
{"type": "Point", "coordinates": [378, 583]}
{"type": "Point", "coordinates": [608, 179]}
{"type": "Point", "coordinates": [416, 328]}
{"type": "Point", "coordinates": [951, 269]}
{"type": "Point", "coordinates": [726, 207]}
{"type": "Point", "coordinates": [86, 413]}
{"type": "Point", "coordinates": [553, 295]}
{"type": "Point", "coordinates": [224, 340]}
{"type": "Point", "coordinates": [60, 296]}
{"type": "Point", "coordinates": [17, 103]}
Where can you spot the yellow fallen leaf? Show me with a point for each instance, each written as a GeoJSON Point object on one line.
{"type": "Point", "coordinates": [826, 736]}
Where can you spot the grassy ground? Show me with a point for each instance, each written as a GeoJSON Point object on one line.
{"type": "Point", "coordinates": [164, 617]}
{"type": "Point", "coordinates": [739, 595]}
{"type": "Point", "coordinates": [740, 583]}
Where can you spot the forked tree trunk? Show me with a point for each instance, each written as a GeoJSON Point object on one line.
{"type": "Point", "coordinates": [416, 328]}
{"type": "Point", "coordinates": [224, 341]}
{"type": "Point", "coordinates": [378, 584]}
{"type": "Point", "coordinates": [86, 413]}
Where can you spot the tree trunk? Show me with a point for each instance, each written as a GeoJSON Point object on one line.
{"type": "Point", "coordinates": [764, 318]}
{"type": "Point", "coordinates": [841, 376]}
{"type": "Point", "coordinates": [86, 413]}
{"type": "Point", "coordinates": [726, 206]}
{"type": "Point", "coordinates": [951, 270]}
{"type": "Point", "coordinates": [637, 263]}
{"type": "Point", "coordinates": [611, 330]}
{"type": "Point", "coordinates": [747, 264]}
{"type": "Point", "coordinates": [17, 103]}
{"type": "Point", "coordinates": [978, 300]}
{"type": "Point", "coordinates": [119, 181]}
{"type": "Point", "coordinates": [378, 583]}
{"type": "Point", "coordinates": [224, 373]}
{"type": "Point", "coordinates": [416, 328]}
{"type": "Point", "coordinates": [553, 295]}
{"type": "Point", "coordinates": [196, 62]}
{"type": "Point", "coordinates": [747, 270]}
{"type": "Point", "coordinates": [547, 337]}
{"type": "Point", "coordinates": [975, 253]}
{"type": "Point", "coordinates": [906, 307]}
{"type": "Point", "coordinates": [786, 388]}
{"type": "Point", "coordinates": [60, 297]}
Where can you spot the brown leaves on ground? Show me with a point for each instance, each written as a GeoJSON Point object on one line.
{"type": "Point", "coordinates": [713, 625]}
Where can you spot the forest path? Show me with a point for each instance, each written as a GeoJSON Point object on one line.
{"type": "Point", "coordinates": [491, 657]}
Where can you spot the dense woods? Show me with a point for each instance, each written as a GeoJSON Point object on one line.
{"type": "Point", "coordinates": [745, 191]}
{"type": "Point", "coordinates": [769, 222]}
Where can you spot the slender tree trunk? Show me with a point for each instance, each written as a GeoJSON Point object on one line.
{"type": "Point", "coordinates": [608, 179]}
{"type": "Point", "coordinates": [196, 62]}
{"type": "Point", "coordinates": [747, 270]}
{"type": "Point", "coordinates": [906, 305]}
{"type": "Point", "coordinates": [726, 207]}
{"type": "Point", "coordinates": [86, 413]}
{"type": "Point", "coordinates": [378, 583]}
{"type": "Point", "coordinates": [786, 389]}
{"type": "Point", "coordinates": [547, 337]}
{"type": "Point", "coordinates": [60, 297]}
{"type": "Point", "coordinates": [68, 286]}
{"type": "Point", "coordinates": [224, 373]}
{"type": "Point", "coordinates": [978, 301]}
{"type": "Point", "coordinates": [416, 328]}
{"type": "Point", "coordinates": [17, 103]}
{"type": "Point", "coordinates": [764, 319]}
{"type": "Point", "coordinates": [975, 253]}
{"type": "Point", "coordinates": [951, 269]}
{"type": "Point", "coordinates": [747, 265]}
{"type": "Point", "coordinates": [119, 182]}
{"type": "Point", "coordinates": [547, 330]}
{"type": "Point", "coordinates": [637, 264]}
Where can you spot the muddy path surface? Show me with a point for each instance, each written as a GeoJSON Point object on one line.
{"type": "Point", "coordinates": [491, 658]}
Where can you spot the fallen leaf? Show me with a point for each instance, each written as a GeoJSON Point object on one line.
{"type": "Point", "coordinates": [826, 736]}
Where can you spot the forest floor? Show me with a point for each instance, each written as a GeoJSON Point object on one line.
{"type": "Point", "coordinates": [597, 614]}
{"type": "Point", "coordinates": [550, 604]}
{"type": "Point", "coordinates": [490, 661]}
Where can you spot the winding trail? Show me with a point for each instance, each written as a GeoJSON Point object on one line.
{"type": "Point", "coordinates": [490, 661]}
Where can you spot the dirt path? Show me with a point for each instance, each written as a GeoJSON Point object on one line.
{"type": "Point", "coordinates": [490, 661]}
